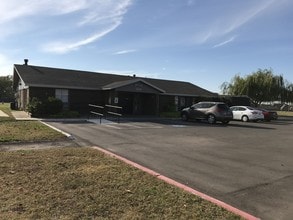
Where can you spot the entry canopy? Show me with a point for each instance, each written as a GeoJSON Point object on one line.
{"type": "Point", "coordinates": [134, 85]}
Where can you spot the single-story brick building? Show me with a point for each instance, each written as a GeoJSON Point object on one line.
{"type": "Point", "coordinates": [77, 89]}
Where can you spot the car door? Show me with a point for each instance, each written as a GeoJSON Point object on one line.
{"type": "Point", "coordinates": [243, 111]}
{"type": "Point", "coordinates": [194, 111]}
{"type": "Point", "coordinates": [202, 110]}
{"type": "Point", "coordinates": [236, 113]}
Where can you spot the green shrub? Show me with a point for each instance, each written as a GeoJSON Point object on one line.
{"type": "Point", "coordinates": [52, 106]}
{"type": "Point", "coordinates": [34, 107]}
{"type": "Point", "coordinates": [47, 107]}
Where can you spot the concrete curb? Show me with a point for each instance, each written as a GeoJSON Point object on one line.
{"type": "Point", "coordinates": [56, 129]}
{"type": "Point", "coordinates": [180, 185]}
{"type": "Point", "coordinates": [169, 180]}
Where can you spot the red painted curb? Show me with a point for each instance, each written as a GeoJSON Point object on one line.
{"type": "Point", "coordinates": [182, 186]}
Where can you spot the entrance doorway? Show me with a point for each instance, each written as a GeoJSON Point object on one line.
{"type": "Point", "coordinates": [137, 103]}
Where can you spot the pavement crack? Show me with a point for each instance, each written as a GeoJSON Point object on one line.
{"type": "Point", "coordinates": [261, 185]}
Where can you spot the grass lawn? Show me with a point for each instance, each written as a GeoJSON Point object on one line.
{"type": "Point", "coordinates": [27, 131]}
{"type": "Point", "coordinates": [6, 109]}
{"type": "Point", "coordinates": [24, 131]}
{"type": "Point", "coordinates": [83, 183]}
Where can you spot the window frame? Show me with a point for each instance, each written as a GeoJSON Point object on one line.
{"type": "Point", "coordinates": [63, 95]}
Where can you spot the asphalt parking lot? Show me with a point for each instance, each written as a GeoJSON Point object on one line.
{"type": "Point", "coordinates": [247, 165]}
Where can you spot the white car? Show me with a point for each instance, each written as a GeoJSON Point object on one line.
{"type": "Point", "coordinates": [246, 113]}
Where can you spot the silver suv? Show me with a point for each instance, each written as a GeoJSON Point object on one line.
{"type": "Point", "coordinates": [210, 111]}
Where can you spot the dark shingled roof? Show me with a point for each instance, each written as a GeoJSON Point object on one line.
{"type": "Point", "coordinates": [37, 76]}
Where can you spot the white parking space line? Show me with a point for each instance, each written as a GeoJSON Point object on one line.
{"type": "Point", "coordinates": [111, 126]}
{"type": "Point", "coordinates": [100, 121]}
{"type": "Point", "coordinates": [179, 126]}
{"type": "Point", "coordinates": [133, 126]}
{"type": "Point", "coordinates": [130, 125]}
{"type": "Point", "coordinates": [146, 125]}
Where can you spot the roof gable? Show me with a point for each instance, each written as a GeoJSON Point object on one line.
{"type": "Point", "coordinates": [138, 85]}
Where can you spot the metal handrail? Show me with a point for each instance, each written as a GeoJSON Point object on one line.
{"type": "Point", "coordinates": [119, 115]}
{"type": "Point", "coordinates": [97, 106]}
{"type": "Point", "coordinates": [97, 113]}
{"type": "Point", "coordinates": [114, 106]}
{"type": "Point", "coordinates": [103, 114]}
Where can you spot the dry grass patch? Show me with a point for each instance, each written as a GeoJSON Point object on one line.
{"type": "Point", "coordinates": [24, 131]}
{"type": "Point", "coordinates": [82, 183]}
{"type": "Point", "coordinates": [285, 113]}
{"type": "Point", "coordinates": [27, 131]}
{"type": "Point", "coordinates": [6, 109]}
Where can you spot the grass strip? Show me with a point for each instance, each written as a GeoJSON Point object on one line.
{"type": "Point", "coordinates": [83, 183]}
{"type": "Point", "coordinates": [285, 113]}
{"type": "Point", "coordinates": [27, 131]}
{"type": "Point", "coordinates": [24, 131]}
{"type": "Point", "coordinates": [5, 107]}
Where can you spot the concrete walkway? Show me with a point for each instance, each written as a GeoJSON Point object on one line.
{"type": "Point", "coordinates": [21, 115]}
{"type": "Point", "coordinates": [2, 114]}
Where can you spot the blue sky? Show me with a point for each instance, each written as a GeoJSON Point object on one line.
{"type": "Point", "coordinates": [205, 42]}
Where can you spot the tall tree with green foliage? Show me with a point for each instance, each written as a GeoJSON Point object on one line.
{"type": "Point", "coordinates": [260, 86]}
{"type": "Point", "coordinates": [6, 90]}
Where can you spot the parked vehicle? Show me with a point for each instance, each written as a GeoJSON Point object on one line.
{"type": "Point", "coordinates": [268, 115]}
{"type": "Point", "coordinates": [210, 111]}
{"type": "Point", "coordinates": [246, 113]}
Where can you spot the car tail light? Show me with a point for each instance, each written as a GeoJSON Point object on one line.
{"type": "Point", "coordinates": [254, 113]}
{"type": "Point", "coordinates": [219, 109]}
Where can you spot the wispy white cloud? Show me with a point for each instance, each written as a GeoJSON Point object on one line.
{"type": "Point", "coordinates": [194, 22]}
{"type": "Point", "coordinates": [247, 15]}
{"type": "Point", "coordinates": [13, 9]}
{"type": "Point", "coordinates": [225, 42]}
{"type": "Point", "coordinates": [227, 20]}
{"type": "Point", "coordinates": [124, 52]}
{"type": "Point", "coordinates": [64, 47]}
{"type": "Point", "coordinates": [108, 10]}
{"type": "Point", "coordinates": [89, 20]}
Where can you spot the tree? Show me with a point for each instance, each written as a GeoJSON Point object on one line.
{"type": "Point", "coordinates": [289, 92]}
{"type": "Point", "coordinates": [6, 90]}
{"type": "Point", "coordinates": [260, 86]}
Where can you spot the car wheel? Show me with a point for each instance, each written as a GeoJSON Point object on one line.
{"type": "Point", "coordinates": [211, 119]}
{"type": "Point", "coordinates": [184, 117]}
{"type": "Point", "coordinates": [245, 118]}
{"type": "Point", "coordinates": [225, 122]}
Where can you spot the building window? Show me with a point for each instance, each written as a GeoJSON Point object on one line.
{"type": "Point", "coordinates": [182, 102]}
{"type": "Point", "coordinates": [62, 94]}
